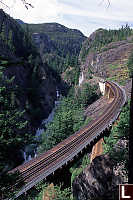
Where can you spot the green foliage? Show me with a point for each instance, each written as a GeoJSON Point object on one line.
{"type": "Point", "coordinates": [102, 38]}
{"type": "Point", "coordinates": [130, 65]}
{"type": "Point", "coordinates": [4, 62]}
{"type": "Point", "coordinates": [75, 173]}
{"type": "Point", "coordinates": [72, 70]}
{"type": "Point", "coordinates": [87, 120]}
{"type": "Point", "coordinates": [119, 131]}
{"type": "Point", "coordinates": [79, 167]}
{"type": "Point", "coordinates": [85, 161]}
{"type": "Point", "coordinates": [58, 193]}
{"type": "Point", "coordinates": [68, 117]}
{"type": "Point", "coordinates": [89, 70]}
{"type": "Point", "coordinates": [12, 34]}
{"type": "Point", "coordinates": [68, 64]}
{"type": "Point", "coordinates": [86, 95]}
{"type": "Point", "coordinates": [13, 129]}
{"type": "Point", "coordinates": [72, 76]}
{"type": "Point", "coordinates": [111, 66]}
{"type": "Point", "coordinates": [66, 41]}
{"type": "Point", "coordinates": [61, 45]}
{"type": "Point", "coordinates": [55, 193]}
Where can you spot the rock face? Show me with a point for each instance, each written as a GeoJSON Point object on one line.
{"type": "Point", "coordinates": [57, 37]}
{"type": "Point", "coordinates": [35, 80]}
{"type": "Point", "coordinates": [56, 42]}
{"type": "Point", "coordinates": [105, 56]}
{"type": "Point", "coordinates": [115, 53]}
{"type": "Point", "coordinates": [97, 181]}
{"type": "Point", "coordinates": [43, 43]}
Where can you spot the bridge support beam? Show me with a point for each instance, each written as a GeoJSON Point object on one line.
{"type": "Point", "coordinates": [108, 92]}
{"type": "Point", "coordinates": [102, 84]}
{"type": "Point", "coordinates": [105, 89]}
{"type": "Point", "coordinates": [97, 149]}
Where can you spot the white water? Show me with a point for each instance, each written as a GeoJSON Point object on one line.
{"type": "Point", "coordinates": [81, 78]}
{"type": "Point", "coordinates": [57, 94]}
{"type": "Point", "coordinates": [27, 157]}
{"type": "Point", "coordinates": [31, 152]}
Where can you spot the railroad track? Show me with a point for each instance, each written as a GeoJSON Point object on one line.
{"type": "Point", "coordinates": [39, 168]}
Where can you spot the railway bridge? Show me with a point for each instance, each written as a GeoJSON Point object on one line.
{"type": "Point", "coordinates": [47, 163]}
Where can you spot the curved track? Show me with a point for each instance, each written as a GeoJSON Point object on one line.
{"type": "Point", "coordinates": [39, 168]}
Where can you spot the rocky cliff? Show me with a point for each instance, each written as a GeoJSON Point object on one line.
{"type": "Point", "coordinates": [36, 81]}
{"type": "Point", "coordinates": [105, 54]}
{"type": "Point", "coordinates": [57, 44]}
{"type": "Point", "coordinates": [99, 181]}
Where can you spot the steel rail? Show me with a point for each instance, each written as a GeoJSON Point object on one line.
{"type": "Point", "coordinates": [42, 166]}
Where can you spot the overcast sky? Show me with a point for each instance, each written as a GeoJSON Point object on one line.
{"type": "Point", "coordinates": [85, 15]}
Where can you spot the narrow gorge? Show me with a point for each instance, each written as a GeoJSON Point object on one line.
{"type": "Point", "coordinates": [60, 92]}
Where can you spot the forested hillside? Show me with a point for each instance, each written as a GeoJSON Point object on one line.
{"type": "Point", "coordinates": [69, 116]}
{"type": "Point", "coordinates": [105, 53]}
{"type": "Point", "coordinates": [57, 40]}
{"type": "Point", "coordinates": [27, 93]}
{"type": "Point", "coordinates": [31, 73]}
{"type": "Point", "coordinates": [58, 45]}
{"type": "Point", "coordinates": [27, 88]}
{"type": "Point", "coordinates": [26, 65]}
{"type": "Point", "coordinates": [102, 37]}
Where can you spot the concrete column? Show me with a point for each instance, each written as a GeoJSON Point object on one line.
{"type": "Point", "coordinates": [108, 93]}
{"type": "Point", "coordinates": [102, 86]}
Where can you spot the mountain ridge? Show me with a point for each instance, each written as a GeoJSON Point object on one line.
{"type": "Point", "coordinates": [56, 40]}
{"type": "Point", "coordinates": [105, 54]}
{"type": "Point", "coordinates": [26, 65]}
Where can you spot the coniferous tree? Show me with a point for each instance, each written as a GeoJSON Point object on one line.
{"type": "Point", "coordinates": [13, 129]}
{"type": "Point", "coordinates": [130, 174]}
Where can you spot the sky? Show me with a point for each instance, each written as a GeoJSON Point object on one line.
{"type": "Point", "coordinates": [85, 15]}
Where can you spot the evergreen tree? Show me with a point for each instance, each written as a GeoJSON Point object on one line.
{"type": "Point", "coordinates": [119, 132]}
{"type": "Point", "coordinates": [68, 118]}
{"type": "Point", "coordinates": [130, 173]}
{"type": "Point", "coordinates": [13, 130]}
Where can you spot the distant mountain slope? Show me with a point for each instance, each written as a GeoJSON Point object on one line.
{"type": "Point", "coordinates": [57, 44]}
{"type": "Point", "coordinates": [19, 21]}
{"type": "Point", "coordinates": [12, 34]}
{"type": "Point", "coordinates": [36, 80]}
{"type": "Point", "coordinates": [105, 54]}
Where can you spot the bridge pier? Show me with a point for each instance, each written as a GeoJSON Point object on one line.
{"type": "Point", "coordinates": [108, 92]}
{"type": "Point", "coordinates": [63, 175]}
{"type": "Point", "coordinates": [102, 84]}
{"type": "Point", "coordinates": [105, 89]}
{"type": "Point", "coordinates": [49, 162]}
{"type": "Point", "coordinates": [97, 150]}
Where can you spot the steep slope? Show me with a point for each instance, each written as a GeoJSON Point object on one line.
{"type": "Point", "coordinates": [19, 21]}
{"type": "Point", "coordinates": [105, 54]}
{"type": "Point", "coordinates": [35, 80]}
{"type": "Point", "coordinates": [57, 44]}
{"type": "Point", "coordinates": [98, 181]}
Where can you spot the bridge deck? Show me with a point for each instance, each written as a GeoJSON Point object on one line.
{"type": "Point", "coordinates": [39, 168]}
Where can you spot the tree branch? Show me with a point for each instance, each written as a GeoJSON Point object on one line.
{"type": "Point", "coordinates": [4, 4]}
{"type": "Point", "coordinates": [108, 1]}
{"type": "Point", "coordinates": [26, 4]}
